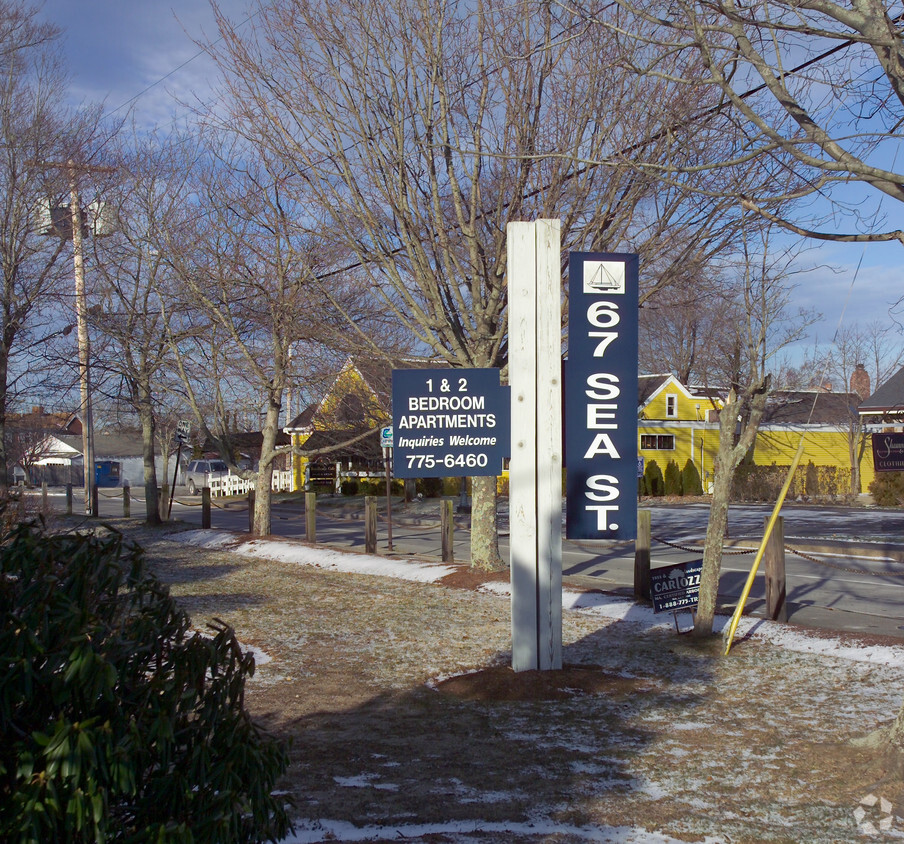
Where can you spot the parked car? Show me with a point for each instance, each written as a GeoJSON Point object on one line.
{"type": "Point", "coordinates": [199, 473]}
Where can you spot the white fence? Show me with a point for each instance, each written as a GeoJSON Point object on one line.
{"type": "Point", "coordinates": [234, 485]}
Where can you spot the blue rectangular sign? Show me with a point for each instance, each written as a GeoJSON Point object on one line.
{"type": "Point", "coordinates": [449, 423]}
{"type": "Point", "coordinates": [601, 397]}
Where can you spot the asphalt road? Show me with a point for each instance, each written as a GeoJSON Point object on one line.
{"type": "Point", "coordinates": [851, 576]}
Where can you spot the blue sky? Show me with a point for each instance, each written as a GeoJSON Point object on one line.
{"type": "Point", "coordinates": [118, 48]}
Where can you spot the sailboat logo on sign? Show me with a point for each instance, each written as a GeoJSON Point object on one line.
{"type": "Point", "coordinates": [604, 277]}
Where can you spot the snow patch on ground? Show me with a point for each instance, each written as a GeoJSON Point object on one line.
{"type": "Point", "coordinates": [325, 558]}
{"type": "Point", "coordinates": [596, 603]}
{"type": "Point", "coordinates": [310, 832]}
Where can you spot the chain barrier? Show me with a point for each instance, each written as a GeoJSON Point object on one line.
{"type": "Point", "coordinates": [696, 549]}
{"type": "Point", "coordinates": [838, 567]}
{"type": "Point", "coordinates": [809, 557]}
{"type": "Point", "coordinates": [397, 519]}
{"type": "Point", "coordinates": [183, 502]}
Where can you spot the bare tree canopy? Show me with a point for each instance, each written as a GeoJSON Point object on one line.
{"type": "Point", "coordinates": [422, 129]}
{"type": "Point", "coordinates": [815, 86]}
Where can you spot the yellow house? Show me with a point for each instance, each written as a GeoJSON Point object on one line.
{"type": "Point", "coordinates": [341, 431]}
{"type": "Point", "coordinates": [679, 422]}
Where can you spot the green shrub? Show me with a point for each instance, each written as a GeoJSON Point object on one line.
{"type": "Point", "coordinates": [672, 481]}
{"type": "Point", "coordinates": [654, 480]}
{"type": "Point", "coordinates": [811, 485]}
{"type": "Point", "coordinates": [117, 723]}
{"type": "Point", "coordinates": [349, 487]}
{"type": "Point", "coordinates": [887, 489]}
{"type": "Point", "coordinates": [690, 479]}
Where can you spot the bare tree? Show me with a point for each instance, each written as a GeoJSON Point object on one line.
{"type": "Point", "coordinates": [32, 128]}
{"type": "Point", "coordinates": [422, 129]}
{"type": "Point", "coordinates": [133, 283]}
{"type": "Point", "coordinates": [858, 361]}
{"type": "Point", "coordinates": [762, 329]}
{"type": "Point", "coordinates": [251, 264]}
{"type": "Point", "coordinates": [816, 86]}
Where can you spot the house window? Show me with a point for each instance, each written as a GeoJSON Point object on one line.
{"type": "Point", "coordinates": [671, 406]}
{"type": "Point", "coordinates": [657, 442]}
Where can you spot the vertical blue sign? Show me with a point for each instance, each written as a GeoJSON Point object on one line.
{"type": "Point", "coordinates": [601, 397]}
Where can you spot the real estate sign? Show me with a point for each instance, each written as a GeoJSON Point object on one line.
{"type": "Point", "coordinates": [601, 396]}
{"type": "Point", "coordinates": [449, 423]}
{"type": "Point", "coordinates": [676, 587]}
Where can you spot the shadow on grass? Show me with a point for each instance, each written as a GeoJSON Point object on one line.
{"type": "Point", "coordinates": [496, 745]}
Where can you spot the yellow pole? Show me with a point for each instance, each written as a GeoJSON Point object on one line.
{"type": "Point", "coordinates": [736, 618]}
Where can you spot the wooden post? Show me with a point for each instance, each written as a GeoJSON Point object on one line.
{"type": "Point", "coordinates": [370, 524]}
{"type": "Point", "coordinates": [126, 503]}
{"type": "Point", "coordinates": [776, 607]}
{"type": "Point", "coordinates": [68, 499]}
{"type": "Point", "coordinates": [447, 529]}
{"type": "Point", "coordinates": [95, 503]}
{"type": "Point", "coordinates": [205, 508]}
{"type": "Point", "coordinates": [250, 511]}
{"type": "Point", "coordinates": [310, 516]}
{"type": "Point", "coordinates": [44, 497]}
{"type": "Point", "coordinates": [535, 473]}
{"type": "Point", "coordinates": [642, 555]}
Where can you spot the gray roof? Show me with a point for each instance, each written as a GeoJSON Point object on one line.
{"type": "Point", "coordinates": [107, 446]}
{"type": "Point", "coordinates": [815, 407]}
{"type": "Point", "coordinates": [889, 398]}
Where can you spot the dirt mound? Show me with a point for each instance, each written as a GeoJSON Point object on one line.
{"type": "Point", "coordinates": [503, 684]}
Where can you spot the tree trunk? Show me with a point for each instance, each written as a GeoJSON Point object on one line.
{"type": "Point", "coordinates": [733, 448]}
{"type": "Point", "coordinates": [712, 553]}
{"type": "Point", "coordinates": [263, 494]}
{"type": "Point", "coordinates": [484, 533]}
{"type": "Point", "coordinates": [5, 468]}
{"type": "Point", "coordinates": [148, 428]}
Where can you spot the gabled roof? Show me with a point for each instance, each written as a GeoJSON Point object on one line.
{"type": "Point", "coordinates": [648, 386]}
{"type": "Point", "coordinates": [375, 374]}
{"type": "Point", "coordinates": [889, 398]}
{"type": "Point", "coordinates": [814, 407]}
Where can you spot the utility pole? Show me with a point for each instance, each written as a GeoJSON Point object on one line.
{"type": "Point", "coordinates": [84, 367]}
{"type": "Point", "coordinates": [81, 313]}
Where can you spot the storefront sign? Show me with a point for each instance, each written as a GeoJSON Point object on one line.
{"type": "Point", "coordinates": [601, 397]}
{"type": "Point", "coordinates": [888, 452]}
{"type": "Point", "coordinates": [449, 423]}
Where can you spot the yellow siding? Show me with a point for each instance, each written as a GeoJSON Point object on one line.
{"type": "Point", "coordinates": [349, 382]}
{"type": "Point", "coordinates": [822, 448]}
{"type": "Point", "coordinates": [299, 462]}
{"type": "Point", "coordinates": [697, 443]}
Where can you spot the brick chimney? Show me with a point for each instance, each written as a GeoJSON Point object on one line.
{"type": "Point", "coordinates": [860, 382]}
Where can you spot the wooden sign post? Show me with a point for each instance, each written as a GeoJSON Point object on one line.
{"type": "Point", "coordinates": [535, 472]}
